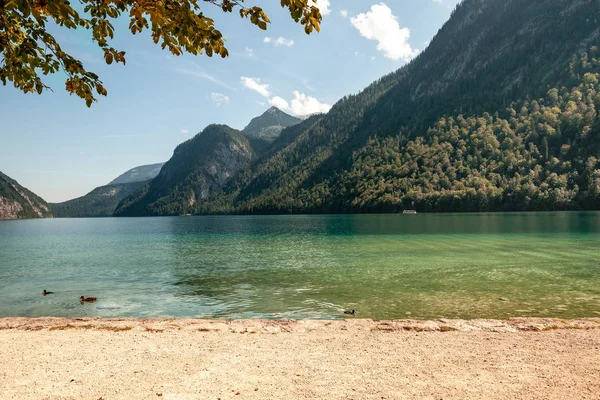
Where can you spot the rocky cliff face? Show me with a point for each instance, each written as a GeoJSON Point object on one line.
{"type": "Point", "coordinates": [16, 202]}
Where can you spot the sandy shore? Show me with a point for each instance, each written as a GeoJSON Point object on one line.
{"type": "Point", "coordinates": [51, 358]}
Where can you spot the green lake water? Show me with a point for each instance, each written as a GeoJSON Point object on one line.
{"type": "Point", "coordinates": [384, 266]}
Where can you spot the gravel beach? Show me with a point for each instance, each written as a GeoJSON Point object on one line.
{"type": "Point", "coordinates": [525, 358]}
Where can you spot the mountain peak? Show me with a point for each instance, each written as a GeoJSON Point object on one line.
{"type": "Point", "coordinates": [270, 124]}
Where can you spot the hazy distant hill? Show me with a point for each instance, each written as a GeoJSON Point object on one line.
{"type": "Point", "coordinates": [270, 124]}
{"type": "Point", "coordinates": [139, 174]}
{"type": "Point", "coordinates": [102, 201]}
{"type": "Point", "coordinates": [16, 202]}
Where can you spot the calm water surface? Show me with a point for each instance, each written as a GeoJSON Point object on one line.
{"type": "Point", "coordinates": [384, 266]}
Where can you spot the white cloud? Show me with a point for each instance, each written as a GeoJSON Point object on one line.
{"type": "Point", "coordinates": [249, 52]}
{"type": "Point", "coordinates": [303, 105]}
{"type": "Point", "coordinates": [381, 25]}
{"type": "Point", "coordinates": [260, 103]}
{"type": "Point", "coordinates": [280, 103]}
{"type": "Point", "coordinates": [280, 41]}
{"type": "Point", "coordinates": [254, 84]}
{"type": "Point", "coordinates": [344, 13]}
{"type": "Point", "coordinates": [185, 131]}
{"type": "Point", "coordinates": [322, 5]}
{"type": "Point", "coordinates": [219, 98]}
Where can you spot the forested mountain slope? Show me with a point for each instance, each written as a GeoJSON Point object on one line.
{"type": "Point", "coordinates": [16, 202]}
{"type": "Point", "coordinates": [198, 167]}
{"type": "Point", "coordinates": [489, 54]}
{"type": "Point", "coordinates": [498, 113]}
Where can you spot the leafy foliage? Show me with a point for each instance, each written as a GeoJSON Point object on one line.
{"type": "Point", "coordinates": [28, 49]}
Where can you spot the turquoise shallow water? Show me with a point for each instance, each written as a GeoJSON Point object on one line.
{"type": "Point", "coordinates": [384, 266]}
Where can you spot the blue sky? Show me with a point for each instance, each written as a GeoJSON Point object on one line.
{"type": "Point", "coordinates": [58, 148]}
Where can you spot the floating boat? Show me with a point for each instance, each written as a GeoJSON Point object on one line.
{"type": "Point", "coordinates": [409, 212]}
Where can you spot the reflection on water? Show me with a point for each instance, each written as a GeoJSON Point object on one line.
{"type": "Point", "coordinates": [384, 266]}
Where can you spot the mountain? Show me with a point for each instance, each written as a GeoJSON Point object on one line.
{"type": "Point", "coordinates": [103, 200]}
{"type": "Point", "coordinates": [100, 202]}
{"type": "Point", "coordinates": [270, 124]}
{"type": "Point", "coordinates": [498, 113]}
{"type": "Point", "coordinates": [16, 202]}
{"type": "Point", "coordinates": [139, 174]}
{"type": "Point", "coordinates": [198, 168]}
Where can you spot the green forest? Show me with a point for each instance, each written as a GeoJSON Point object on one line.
{"type": "Point", "coordinates": [543, 155]}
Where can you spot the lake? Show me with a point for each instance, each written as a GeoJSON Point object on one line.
{"type": "Point", "coordinates": [383, 266]}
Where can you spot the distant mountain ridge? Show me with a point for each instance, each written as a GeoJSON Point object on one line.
{"type": "Point", "coordinates": [138, 174]}
{"type": "Point", "coordinates": [16, 202]}
{"type": "Point", "coordinates": [199, 168]}
{"type": "Point", "coordinates": [102, 201]}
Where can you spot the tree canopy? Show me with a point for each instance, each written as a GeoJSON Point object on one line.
{"type": "Point", "coordinates": [28, 50]}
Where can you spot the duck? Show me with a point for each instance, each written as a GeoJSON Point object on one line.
{"type": "Point", "coordinates": [46, 292]}
{"type": "Point", "coordinates": [87, 299]}
{"type": "Point", "coordinates": [350, 312]}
